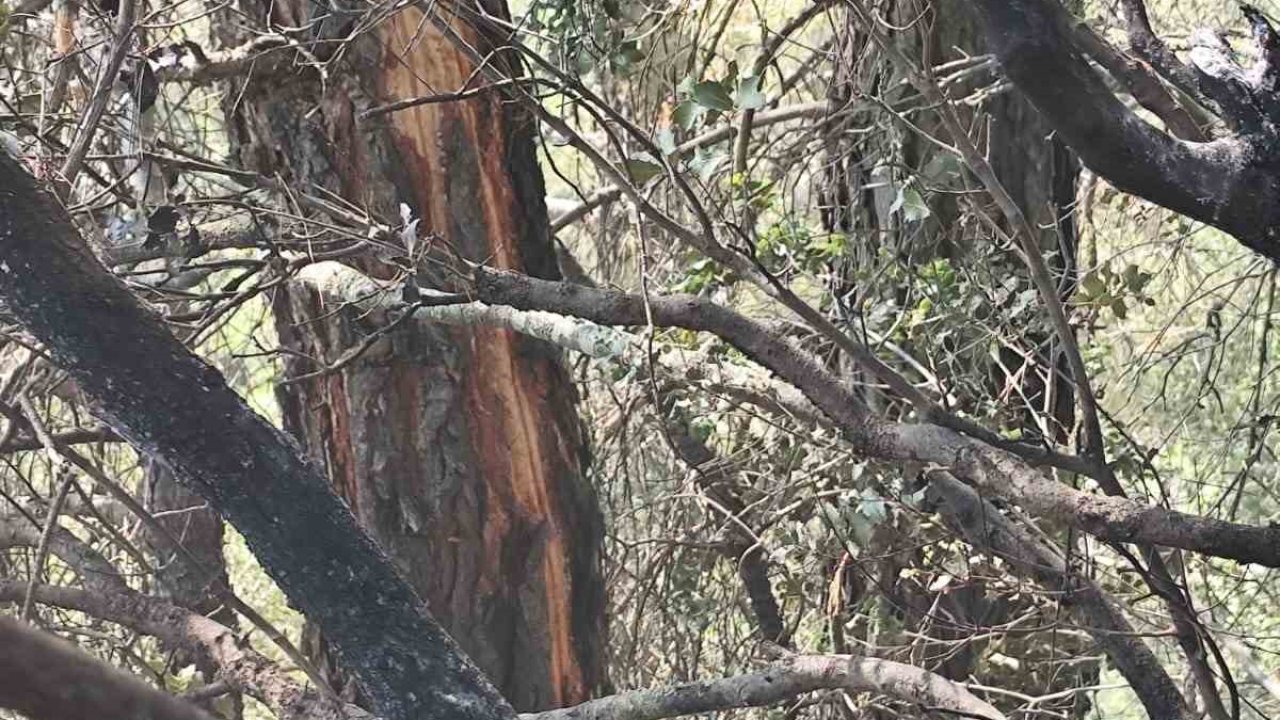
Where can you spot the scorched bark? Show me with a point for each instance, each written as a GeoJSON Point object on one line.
{"type": "Point", "coordinates": [176, 408]}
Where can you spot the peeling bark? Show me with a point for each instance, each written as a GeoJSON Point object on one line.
{"type": "Point", "coordinates": [458, 448]}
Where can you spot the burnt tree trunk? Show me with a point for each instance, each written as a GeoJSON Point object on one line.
{"type": "Point", "coordinates": [459, 450]}
{"type": "Point", "coordinates": [170, 405]}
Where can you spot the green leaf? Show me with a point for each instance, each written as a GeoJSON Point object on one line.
{"type": "Point", "coordinates": [862, 528]}
{"type": "Point", "coordinates": [1136, 279]}
{"type": "Point", "coordinates": [586, 64]}
{"type": "Point", "coordinates": [712, 95]}
{"type": "Point", "coordinates": [642, 171]}
{"type": "Point", "coordinates": [666, 141]}
{"type": "Point", "coordinates": [705, 162]}
{"type": "Point", "coordinates": [912, 205]}
{"type": "Point", "coordinates": [702, 429]}
{"type": "Point", "coordinates": [872, 507]}
{"type": "Point", "coordinates": [627, 57]}
{"type": "Point", "coordinates": [1092, 287]}
{"type": "Point", "coordinates": [749, 95]}
{"type": "Point", "coordinates": [687, 113]}
{"type": "Point", "coordinates": [941, 169]}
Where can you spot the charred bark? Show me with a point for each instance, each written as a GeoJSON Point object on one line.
{"type": "Point", "coordinates": [176, 408]}
{"type": "Point", "coordinates": [1231, 183]}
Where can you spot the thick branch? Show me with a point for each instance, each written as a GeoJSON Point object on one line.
{"type": "Point", "coordinates": [1266, 76]}
{"type": "Point", "coordinates": [1150, 47]}
{"type": "Point", "coordinates": [988, 530]}
{"type": "Point", "coordinates": [95, 571]}
{"type": "Point", "coordinates": [177, 409]}
{"type": "Point", "coordinates": [1229, 183]}
{"type": "Point", "coordinates": [1110, 518]}
{"type": "Point", "coordinates": [45, 678]}
{"type": "Point", "coordinates": [783, 681]}
{"type": "Point", "coordinates": [70, 437]}
{"type": "Point", "coordinates": [254, 57]}
{"type": "Point", "coordinates": [222, 235]}
{"type": "Point", "coordinates": [339, 283]}
{"type": "Point", "coordinates": [237, 664]}
{"type": "Point", "coordinates": [978, 463]}
{"type": "Point", "coordinates": [1137, 78]}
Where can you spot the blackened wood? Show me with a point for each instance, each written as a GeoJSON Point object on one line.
{"type": "Point", "coordinates": [176, 408]}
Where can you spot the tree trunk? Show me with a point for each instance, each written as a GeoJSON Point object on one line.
{"type": "Point", "coordinates": [864, 179]}
{"type": "Point", "coordinates": [170, 405]}
{"type": "Point", "coordinates": [459, 450]}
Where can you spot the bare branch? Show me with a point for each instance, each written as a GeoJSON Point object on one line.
{"type": "Point", "coordinates": [781, 681]}
{"type": "Point", "coordinates": [48, 679]}
{"type": "Point", "coordinates": [236, 662]}
{"type": "Point", "coordinates": [102, 90]}
{"type": "Point", "coordinates": [259, 56]}
{"type": "Point", "coordinates": [1113, 519]}
{"type": "Point", "coordinates": [95, 571]}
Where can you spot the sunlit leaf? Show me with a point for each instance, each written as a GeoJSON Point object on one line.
{"type": "Point", "coordinates": [642, 171]}
{"type": "Point", "coordinates": [687, 113]}
{"type": "Point", "coordinates": [749, 95]}
{"type": "Point", "coordinates": [712, 95]}
{"type": "Point", "coordinates": [911, 204]}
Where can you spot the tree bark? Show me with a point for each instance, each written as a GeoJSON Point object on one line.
{"type": "Point", "coordinates": [459, 449]}
{"type": "Point", "coordinates": [1230, 183]}
{"type": "Point", "coordinates": [48, 679]}
{"type": "Point", "coordinates": [174, 407]}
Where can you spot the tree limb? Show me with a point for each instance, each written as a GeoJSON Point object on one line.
{"type": "Point", "coordinates": [936, 446]}
{"type": "Point", "coordinates": [174, 407]}
{"type": "Point", "coordinates": [46, 678]}
{"type": "Point", "coordinates": [782, 681]}
{"type": "Point", "coordinates": [1109, 518]}
{"type": "Point", "coordinates": [1230, 183]}
{"type": "Point", "coordinates": [95, 571]}
{"type": "Point", "coordinates": [237, 663]}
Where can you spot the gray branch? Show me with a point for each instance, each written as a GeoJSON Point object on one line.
{"type": "Point", "coordinates": [783, 681]}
